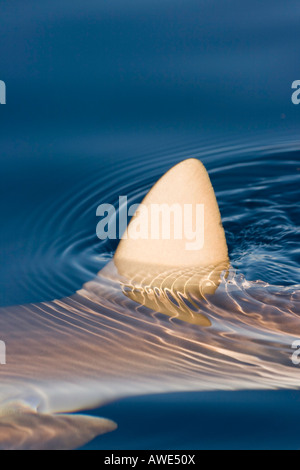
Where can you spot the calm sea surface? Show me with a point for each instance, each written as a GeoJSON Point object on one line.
{"type": "Point", "coordinates": [102, 98]}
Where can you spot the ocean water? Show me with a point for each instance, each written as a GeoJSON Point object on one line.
{"type": "Point", "coordinates": [102, 99]}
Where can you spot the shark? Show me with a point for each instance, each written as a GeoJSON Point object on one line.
{"type": "Point", "coordinates": [158, 318]}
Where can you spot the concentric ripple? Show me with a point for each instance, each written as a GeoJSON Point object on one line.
{"type": "Point", "coordinates": [100, 344]}
{"type": "Point", "coordinates": [257, 190]}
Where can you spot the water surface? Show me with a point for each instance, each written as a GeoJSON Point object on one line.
{"type": "Point", "coordinates": [103, 98]}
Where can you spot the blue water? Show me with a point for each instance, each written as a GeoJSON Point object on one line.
{"type": "Point", "coordinates": [215, 420]}
{"type": "Point", "coordinates": [102, 98]}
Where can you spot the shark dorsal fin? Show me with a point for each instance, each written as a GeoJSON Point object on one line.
{"type": "Point", "coordinates": [170, 274]}
{"type": "Point", "coordinates": [183, 188]}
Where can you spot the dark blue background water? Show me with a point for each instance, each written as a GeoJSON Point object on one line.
{"type": "Point", "coordinates": [102, 98]}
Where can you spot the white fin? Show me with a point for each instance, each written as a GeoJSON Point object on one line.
{"type": "Point", "coordinates": [161, 271]}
